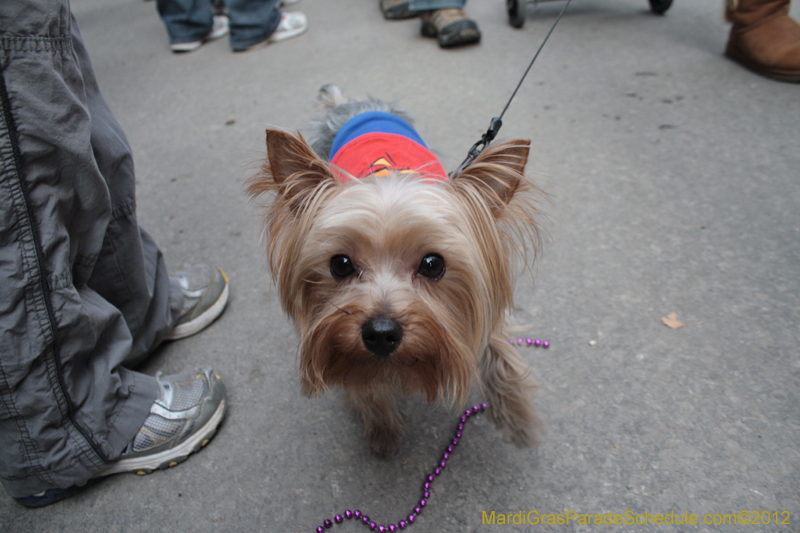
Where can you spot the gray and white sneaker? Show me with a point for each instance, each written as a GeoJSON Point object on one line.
{"type": "Point", "coordinates": [219, 28]}
{"type": "Point", "coordinates": [183, 419]}
{"type": "Point", "coordinates": [292, 24]}
{"type": "Point", "coordinates": [205, 293]}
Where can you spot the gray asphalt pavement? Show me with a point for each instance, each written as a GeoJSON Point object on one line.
{"type": "Point", "coordinates": [675, 183]}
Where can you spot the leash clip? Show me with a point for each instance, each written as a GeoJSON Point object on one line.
{"type": "Point", "coordinates": [479, 146]}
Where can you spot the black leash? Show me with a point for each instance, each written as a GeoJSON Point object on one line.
{"type": "Point", "coordinates": [497, 122]}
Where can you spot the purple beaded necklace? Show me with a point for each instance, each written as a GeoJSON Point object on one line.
{"type": "Point", "coordinates": [530, 342]}
{"type": "Point", "coordinates": [426, 486]}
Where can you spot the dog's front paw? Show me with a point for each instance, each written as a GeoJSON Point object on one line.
{"type": "Point", "coordinates": [384, 440]}
{"type": "Point", "coordinates": [383, 426]}
{"type": "Point", "coordinates": [518, 425]}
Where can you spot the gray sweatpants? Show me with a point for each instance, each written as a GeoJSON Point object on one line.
{"type": "Point", "coordinates": [84, 291]}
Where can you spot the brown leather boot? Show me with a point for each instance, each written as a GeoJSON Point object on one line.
{"type": "Point", "coordinates": [764, 38]}
{"type": "Point", "coordinates": [450, 26]}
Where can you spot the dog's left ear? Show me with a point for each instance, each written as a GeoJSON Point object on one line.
{"type": "Point", "coordinates": [497, 173]}
{"type": "Point", "coordinates": [291, 169]}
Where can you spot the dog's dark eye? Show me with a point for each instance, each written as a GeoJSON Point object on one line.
{"type": "Point", "coordinates": [341, 266]}
{"type": "Point", "coordinates": [432, 266]}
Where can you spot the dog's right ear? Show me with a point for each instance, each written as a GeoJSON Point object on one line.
{"type": "Point", "coordinates": [291, 169]}
{"type": "Point", "coordinates": [497, 173]}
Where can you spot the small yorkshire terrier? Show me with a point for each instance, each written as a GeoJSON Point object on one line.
{"type": "Point", "coordinates": [398, 277]}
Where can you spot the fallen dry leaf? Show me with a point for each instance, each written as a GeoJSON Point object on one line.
{"type": "Point", "coordinates": [671, 321]}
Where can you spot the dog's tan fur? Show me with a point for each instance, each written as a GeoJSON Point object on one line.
{"type": "Point", "coordinates": [481, 222]}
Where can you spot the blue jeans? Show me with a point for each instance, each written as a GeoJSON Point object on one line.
{"type": "Point", "coordinates": [251, 21]}
{"type": "Point", "coordinates": [426, 5]}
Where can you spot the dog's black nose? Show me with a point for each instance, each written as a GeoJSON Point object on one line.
{"type": "Point", "coordinates": [381, 335]}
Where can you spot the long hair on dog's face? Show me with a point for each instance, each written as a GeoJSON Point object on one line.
{"type": "Point", "coordinates": [424, 266]}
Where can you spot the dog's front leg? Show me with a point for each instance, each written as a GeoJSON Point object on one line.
{"type": "Point", "coordinates": [383, 426]}
{"type": "Point", "coordinates": [508, 385]}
